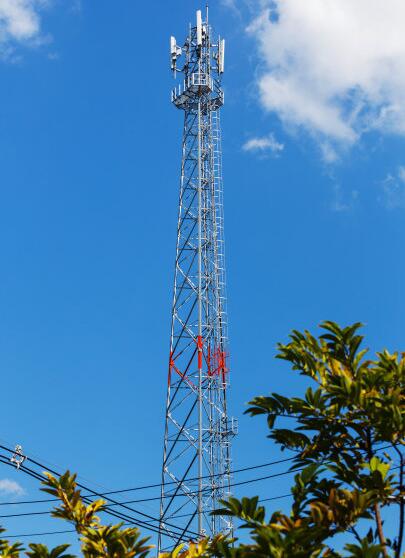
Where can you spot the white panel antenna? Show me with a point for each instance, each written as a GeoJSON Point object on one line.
{"type": "Point", "coordinates": [172, 45]}
{"type": "Point", "coordinates": [175, 52]}
{"type": "Point", "coordinates": [199, 28]}
{"type": "Point", "coordinates": [221, 56]}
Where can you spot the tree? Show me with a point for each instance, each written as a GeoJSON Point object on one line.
{"type": "Point", "coordinates": [343, 426]}
{"type": "Point", "coordinates": [347, 440]}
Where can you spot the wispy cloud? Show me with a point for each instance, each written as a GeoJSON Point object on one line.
{"type": "Point", "coordinates": [329, 153]}
{"type": "Point", "coordinates": [343, 203]}
{"type": "Point", "coordinates": [20, 24]}
{"type": "Point", "coordinates": [335, 69]}
{"type": "Point", "coordinates": [232, 5]}
{"type": "Point", "coordinates": [10, 487]}
{"type": "Point", "coordinates": [264, 144]}
{"type": "Point", "coordinates": [393, 189]}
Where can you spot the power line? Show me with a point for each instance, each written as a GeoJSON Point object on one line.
{"type": "Point", "coordinates": [67, 530]}
{"type": "Point", "coordinates": [156, 485]}
{"type": "Point", "coordinates": [26, 535]}
{"type": "Point", "coordinates": [23, 535]}
{"type": "Point", "coordinates": [250, 481]}
{"type": "Point", "coordinates": [262, 500]}
{"type": "Point", "coordinates": [159, 485]}
{"type": "Point", "coordinates": [95, 493]}
{"type": "Point", "coordinates": [105, 508]}
{"type": "Point", "coordinates": [275, 498]}
{"type": "Point", "coordinates": [47, 500]}
{"type": "Point", "coordinates": [47, 512]}
{"type": "Point", "coordinates": [134, 521]}
{"type": "Point", "coordinates": [115, 513]}
{"type": "Point", "coordinates": [115, 503]}
{"type": "Point", "coordinates": [40, 534]}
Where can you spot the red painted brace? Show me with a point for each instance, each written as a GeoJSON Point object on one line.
{"type": "Point", "coordinates": [200, 354]}
{"type": "Point", "coordinates": [216, 362]}
{"type": "Point", "coordinates": [172, 366]}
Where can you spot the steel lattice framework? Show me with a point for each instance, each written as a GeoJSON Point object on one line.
{"type": "Point", "coordinates": [198, 431]}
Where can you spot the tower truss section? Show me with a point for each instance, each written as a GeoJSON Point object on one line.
{"type": "Point", "coordinates": [196, 471]}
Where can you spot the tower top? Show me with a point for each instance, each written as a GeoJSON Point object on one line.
{"type": "Point", "coordinates": [202, 61]}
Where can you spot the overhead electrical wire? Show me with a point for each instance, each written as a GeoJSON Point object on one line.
{"type": "Point", "coordinates": [150, 499]}
{"type": "Point", "coordinates": [249, 481]}
{"type": "Point", "coordinates": [159, 485]}
{"type": "Point", "coordinates": [120, 515]}
{"type": "Point", "coordinates": [93, 492]}
{"type": "Point", "coordinates": [107, 507]}
{"type": "Point", "coordinates": [114, 503]}
{"type": "Point", "coordinates": [114, 513]}
{"type": "Point", "coordinates": [23, 535]}
{"type": "Point", "coordinates": [262, 500]}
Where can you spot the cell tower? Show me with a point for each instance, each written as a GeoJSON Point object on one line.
{"type": "Point", "coordinates": [198, 432]}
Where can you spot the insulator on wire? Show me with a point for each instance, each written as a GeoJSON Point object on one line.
{"type": "Point", "coordinates": [18, 457]}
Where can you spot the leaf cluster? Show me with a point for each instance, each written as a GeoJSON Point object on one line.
{"type": "Point", "coordinates": [97, 541]}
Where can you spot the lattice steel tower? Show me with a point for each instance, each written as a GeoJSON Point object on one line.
{"type": "Point", "coordinates": [198, 432]}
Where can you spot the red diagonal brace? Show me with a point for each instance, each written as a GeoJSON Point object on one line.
{"type": "Point", "coordinates": [172, 366]}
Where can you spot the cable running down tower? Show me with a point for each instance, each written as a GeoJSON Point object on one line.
{"type": "Point", "coordinates": [198, 431]}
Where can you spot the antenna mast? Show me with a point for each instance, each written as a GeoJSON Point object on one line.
{"type": "Point", "coordinates": [198, 432]}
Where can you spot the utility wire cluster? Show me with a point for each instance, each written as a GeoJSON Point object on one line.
{"type": "Point", "coordinates": [148, 524]}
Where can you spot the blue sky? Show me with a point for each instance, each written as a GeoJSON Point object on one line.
{"type": "Point", "coordinates": [89, 162]}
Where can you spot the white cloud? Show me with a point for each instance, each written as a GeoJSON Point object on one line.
{"type": "Point", "coordinates": [267, 143]}
{"type": "Point", "coordinates": [10, 487]}
{"type": "Point", "coordinates": [333, 67]}
{"type": "Point", "coordinates": [393, 189]}
{"type": "Point", "coordinates": [20, 23]}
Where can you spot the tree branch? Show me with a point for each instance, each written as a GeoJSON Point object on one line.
{"type": "Point", "coordinates": [377, 513]}
{"type": "Point", "coordinates": [401, 503]}
{"type": "Point", "coordinates": [380, 531]}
